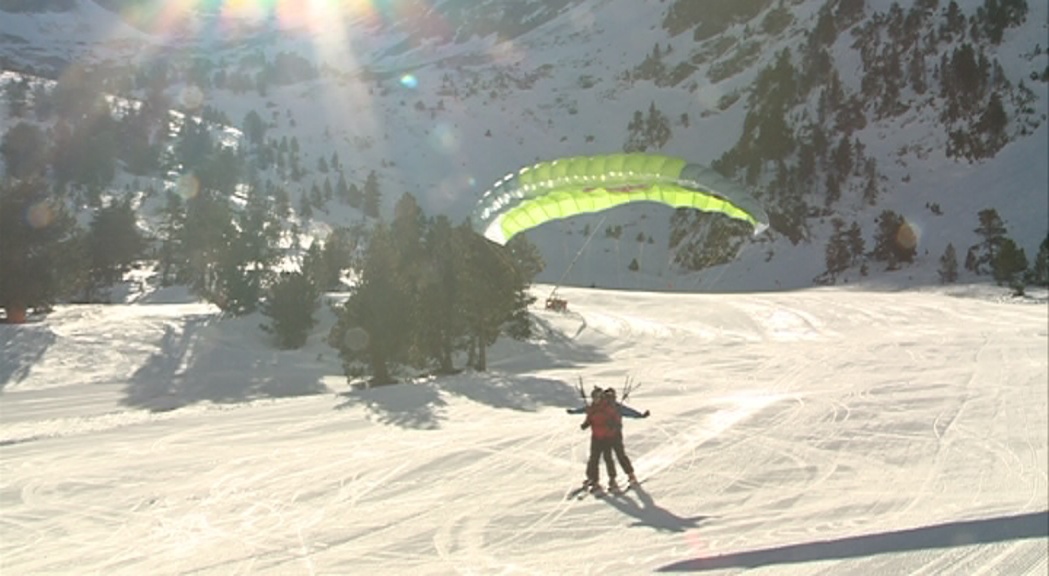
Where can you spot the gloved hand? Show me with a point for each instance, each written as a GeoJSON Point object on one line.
{"type": "Point", "coordinates": [568, 410]}
{"type": "Point", "coordinates": [582, 426]}
{"type": "Point", "coordinates": [645, 415]}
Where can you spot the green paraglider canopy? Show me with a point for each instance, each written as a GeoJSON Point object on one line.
{"type": "Point", "coordinates": [569, 186]}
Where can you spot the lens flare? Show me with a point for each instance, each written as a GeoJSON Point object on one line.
{"type": "Point", "coordinates": [40, 215]}
{"type": "Point", "coordinates": [908, 236]}
{"type": "Point", "coordinates": [187, 186]}
{"type": "Point", "coordinates": [191, 97]}
{"type": "Point", "coordinates": [356, 339]}
{"type": "Point", "coordinates": [445, 138]}
{"type": "Point", "coordinates": [409, 81]}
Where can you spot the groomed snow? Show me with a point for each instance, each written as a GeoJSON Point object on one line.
{"type": "Point", "coordinates": [831, 431]}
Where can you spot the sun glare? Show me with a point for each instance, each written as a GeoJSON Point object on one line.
{"type": "Point", "coordinates": [316, 15]}
{"type": "Point", "coordinates": [337, 37]}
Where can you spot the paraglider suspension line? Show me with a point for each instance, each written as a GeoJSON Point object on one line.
{"type": "Point", "coordinates": [553, 292]}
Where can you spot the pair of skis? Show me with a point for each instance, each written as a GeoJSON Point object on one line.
{"type": "Point", "coordinates": [597, 491]}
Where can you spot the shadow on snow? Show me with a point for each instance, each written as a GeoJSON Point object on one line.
{"type": "Point", "coordinates": [419, 405]}
{"type": "Point", "coordinates": [948, 535]}
{"type": "Point", "coordinates": [197, 363]}
{"type": "Point", "coordinates": [649, 514]}
{"type": "Point", "coordinates": [21, 346]}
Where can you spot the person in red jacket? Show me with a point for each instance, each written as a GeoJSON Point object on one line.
{"type": "Point", "coordinates": [601, 418]}
{"type": "Point", "coordinates": [597, 395]}
{"type": "Point", "coordinates": [617, 443]}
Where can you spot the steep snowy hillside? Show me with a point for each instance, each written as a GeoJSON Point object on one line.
{"type": "Point", "coordinates": [440, 99]}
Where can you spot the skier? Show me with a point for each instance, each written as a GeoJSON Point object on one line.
{"type": "Point", "coordinates": [600, 419]}
{"type": "Point", "coordinates": [617, 443]}
{"type": "Point", "coordinates": [608, 396]}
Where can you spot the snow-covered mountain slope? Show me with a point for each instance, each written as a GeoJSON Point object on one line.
{"type": "Point", "coordinates": [443, 98]}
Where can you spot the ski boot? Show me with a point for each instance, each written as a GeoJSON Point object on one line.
{"type": "Point", "coordinates": [613, 486]}
{"type": "Point", "coordinates": [632, 480]}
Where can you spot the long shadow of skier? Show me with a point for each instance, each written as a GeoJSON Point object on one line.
{"type": "Point", "coordinates": [648, 513]}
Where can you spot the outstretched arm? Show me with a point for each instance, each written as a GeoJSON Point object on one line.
{"type": "Point", "coordinates": [580, 410]}
{"type": "Point", "coordinates": [631, 413]}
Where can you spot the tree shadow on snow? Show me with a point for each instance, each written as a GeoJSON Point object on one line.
{"type": "Point", "coordinates": [948, 535]}
{"type": "Point", "coordinates": [198, 363]}
{"type": "Point", "coordinates": [649, 514]}
{"type": "Point", "coordinates": [21, 346]}
{"type": "Point", "coordinates": [419, 405]}
{"type": "Point", "coordinates": [406, 405]}
{"type": "Point", "coordinates": [514, 392]}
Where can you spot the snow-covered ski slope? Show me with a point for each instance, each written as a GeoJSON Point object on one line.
{"type": "Point", "coordinates": [827, 431]}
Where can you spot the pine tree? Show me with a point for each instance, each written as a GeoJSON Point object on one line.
{"type": "Point", "coordinates": [248, 256]}
{"type": "Point", "coordinates": [254, 128]}
{"type": "Point", "coordinates": [526, 258]}
{"type": "Point", "coordinates": [354, 196]}
{"type": "Point", "coordinates": [657, 127]}
{"type": "Point", "coordinates": [314, 268]}
{"type": "Point", "coordinates": [372, 197]}
{"type": "Point", "coordinates": [442, 327]}
{"type": "Point", "coordinates": [376, 308]}
{"type": "Point", "coordinates": [855, 243]}
{"type": "Point", "coordinates": [894, 240]}
{"type": "Point", "coordinates": [24, 151]}
{"type": "Point", "coordinates": [305, 206]}
{"type": "Point", "coordinates": [290, 304]}
{"type": "Point", "coordinates": [16, 93]}
{"type": "Point", "coordinates": [408, 230]}
{"type": "Point", "coordinates": [282, 202]}
{"type": "Point", "coordinates": [836, 254]}
{"type": "Point", "coordinates": [948, 266]}
{"type": "Point", "coordinates": [1008, 264]}
{"type": "Point", "coordinates": [635, 140]}
{"type": "Point", "coordinates": [992, 124]}
{"type": "Point", "coordinates": [342, 189]}
{"type": "Point", "coordinates": [171, 254]}
{"type": "Point", "coordinates": [870, 181]}
{"type": "Point", "coordinates": [326, 191]}
{"type": "Point", "coordinates": [325, 261]}
{"type": "Point", "coordinates": [113, 244]}
{"type": "Point", "coordinates": [992, 230]}
{"type": "Point", "coordinates": [205, 236]}
{"type": "Point", "coordinates": [490, 291]}
{"type": "Point", "coordinates": [833, 189]}
{"type": "Point", "coordinates": [1038, 275]}
{"type": "Point", "coordinates": [37, 240]}
{"type": "Point", "coordinates": [316, 198]}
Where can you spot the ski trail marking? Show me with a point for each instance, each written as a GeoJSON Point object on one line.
{"type": "Point", "coordinates": [664, 456]}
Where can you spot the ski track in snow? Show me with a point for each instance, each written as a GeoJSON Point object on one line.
{"type": "Point", "coordinates": [783, 426]}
